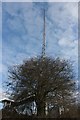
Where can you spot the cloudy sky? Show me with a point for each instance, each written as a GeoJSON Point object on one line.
{"type": "Point", "coordinates": [22, 32]}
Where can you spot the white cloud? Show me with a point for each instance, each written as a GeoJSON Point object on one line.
{"type": "Point", "coordinates": [70, 51]}
{"type": "Point", "coordinates": [64, 14]}
{"type": "Point", "coordinates": [72, 8]}
{"type": "Point", "coordinates": [68, 43]}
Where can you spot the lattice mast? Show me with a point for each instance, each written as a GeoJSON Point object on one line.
{"type": "Point", "coordinates": [44, 39]}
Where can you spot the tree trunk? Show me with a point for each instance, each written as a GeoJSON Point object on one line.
{"type": "Point", "coordinates": [40, 109]}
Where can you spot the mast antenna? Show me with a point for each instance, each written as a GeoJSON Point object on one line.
{"type": "Point", "coordinates": [44, 39]}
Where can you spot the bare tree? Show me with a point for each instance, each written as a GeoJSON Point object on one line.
{"type": "Point", "coordinates": [42, 80]}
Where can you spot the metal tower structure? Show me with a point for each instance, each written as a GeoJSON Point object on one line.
{"type": "Point", "coordinates": [44, 39]}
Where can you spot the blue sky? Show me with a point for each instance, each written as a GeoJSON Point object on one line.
{"type": "Point", "coordinates": [22, 32]}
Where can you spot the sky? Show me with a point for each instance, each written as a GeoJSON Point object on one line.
{"type": "Point", "coordinates": [22, 32]}
{"type": "Point", "coordinates": [40, 0]}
